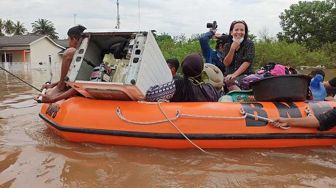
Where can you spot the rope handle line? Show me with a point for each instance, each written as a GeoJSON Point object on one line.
{"type": "Point", "coordinates": [270, 121]}
{"type": "Point", "coordinates": [178, 115]}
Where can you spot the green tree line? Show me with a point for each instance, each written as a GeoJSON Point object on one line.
{"type": "Point", "coordinates": [308, 38]}
{"type": "Point", "coordinates": [287, 53]}
{"type": "Point", "coordinates": [40, 26]}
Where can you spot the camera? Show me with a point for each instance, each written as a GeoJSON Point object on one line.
{"type": "Point", "coordinates": [212, 25]}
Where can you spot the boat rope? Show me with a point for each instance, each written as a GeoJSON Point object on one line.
{"type": "Point", "coordinates": [178, 115]}
{"type": "Point", "coordinates": [212, 117]}
{"type": "Point", "coordinates": [120, 115]}
{"type": "Point", "coordinates": [178, 129]}
{"type": "Point", "coordinates": [263, 119]}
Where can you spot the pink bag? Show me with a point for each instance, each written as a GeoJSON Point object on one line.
{"type": "Point", "coordinates": [278, 70]}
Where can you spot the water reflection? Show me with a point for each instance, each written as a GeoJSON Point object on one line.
{"type": "Point", "coordinates": [31, 154]}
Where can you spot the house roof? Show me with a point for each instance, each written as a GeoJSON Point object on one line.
{"type": "Point", "coordinates": [63, 42]}
{"type": "Point", "coordinates": [24, 41]}
{"type": "Point", "coordinates": [18, 40]}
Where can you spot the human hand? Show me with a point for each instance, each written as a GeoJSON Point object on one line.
{"type": "Point", "coordinates": [217, 35]}
{"type": "Point", "coordinates": [213, 31]}
{"type": "Point", "coordinates": [230, 76]}
{"type": "Point", "coordinates": [235, 45]}
{"type": "Point", "coordinates": [280, 122]}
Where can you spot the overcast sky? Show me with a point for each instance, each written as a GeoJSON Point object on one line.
{"type": "Point", "coordinates": [170, 16]}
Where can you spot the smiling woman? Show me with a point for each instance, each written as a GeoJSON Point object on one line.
{"type": "Point", "coordinates": [239, 54]}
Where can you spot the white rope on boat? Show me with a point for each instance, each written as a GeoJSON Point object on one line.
{"type": "Point", "coordinates": [179, 130]}
{"type": "Point", "coordinates": [263, 119]}
{"type": "Point", "coordinates": [178, 115]}
{"type": "Point", "coordinates": [120, 115]}
{"type": "Point", "coordinates": [212, 117]}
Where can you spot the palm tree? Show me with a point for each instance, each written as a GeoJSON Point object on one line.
{"type": "Point", "coordinates": [9, 27]}
{"type": "Point", "coordinates": [19, 28]}
{"type": "Point", "coordinates": [44, 27]}
{"type": "Point", "coordinates": [2, 25]}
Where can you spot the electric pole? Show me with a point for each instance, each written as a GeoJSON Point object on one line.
{"type": "Point", "coordinates": [118, 16]}
{"type": "Point", "coordinates": [75, 18]}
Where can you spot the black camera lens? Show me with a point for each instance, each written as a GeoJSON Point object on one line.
{"type": "Point", "coordinates": [209, 25]}
{"type": "Point", "coordinates": [212, 25]}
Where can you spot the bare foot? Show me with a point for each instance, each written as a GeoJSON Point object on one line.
{"type": "Point", "coordinates": [53, 92]}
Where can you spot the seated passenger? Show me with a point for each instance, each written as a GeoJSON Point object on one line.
{"type": "Point", "coordinates": [239, 54]}
{"type": "Point", "coordinates": [174, 64]}
{"type": "Point", "coordinates": [331, 88]}
{"type": "Point", "coordinates": [59, 90]}
{"type": "Point", "coordinates": [214, 76]}
{"type": "Point", "coordinates": [189, 89]}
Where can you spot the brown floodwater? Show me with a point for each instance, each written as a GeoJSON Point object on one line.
{"type": "Point", "coordinates": [32, 156]}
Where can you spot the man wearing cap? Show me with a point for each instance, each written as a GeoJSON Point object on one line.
{"type": "Point", "coordinates": [216, 56]}
{"type": "Point", "coordinates": [58, 90]}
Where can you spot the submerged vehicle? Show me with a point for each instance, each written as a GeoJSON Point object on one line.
{"type": "Point", "coordinates": [111, 109]}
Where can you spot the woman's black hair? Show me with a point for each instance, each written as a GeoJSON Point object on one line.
{"type": "Point", "coordinates": [242, 22]}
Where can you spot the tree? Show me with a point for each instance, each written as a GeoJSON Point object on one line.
{"type": "Point", "coordinates": [2, 26]}
{"type": "Point", "coordinates": [265, 35]}
{"type": "Point", "coordinates": [44, 27]}
{"type": "Point", "coordinates": [9, 27]}
{"type": "Point", "coordinates": [19, 28]}
{"type": "Point", "coordinates": [310, 23]}
{"type": "Point", "coordinates": [163, 37]}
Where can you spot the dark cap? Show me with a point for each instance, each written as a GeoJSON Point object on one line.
{"type": "Point", "coordinates": [76, 30]}
{"type": "Point", "coordinates": [222, 40]}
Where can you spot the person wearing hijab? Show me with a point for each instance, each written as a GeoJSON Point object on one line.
{"type": "Point", "coordinates": [58, 90]}
{"type": "Point", "coordinates": [189, 89]}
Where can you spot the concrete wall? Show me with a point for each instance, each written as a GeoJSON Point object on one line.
{"type": "Point", "coordinates": [40, 51]}
{"type": "Point", "coordinates": [17, 56]}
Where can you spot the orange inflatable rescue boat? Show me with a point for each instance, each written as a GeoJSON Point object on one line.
{"type": "Point", "coordinates": [184, 125]}
{"type": "Point", "coordinates": [137, 63]}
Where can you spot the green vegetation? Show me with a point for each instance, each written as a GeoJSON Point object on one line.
{"type": "Point", "coordinates": [311, 23]}
{"type": "Point", "coordinates": [292, 54]}
{"type": "Point", "coordinates": [308, 38]}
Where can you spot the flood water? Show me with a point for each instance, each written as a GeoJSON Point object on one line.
{"type": "Point", "coordinates": [32, 156]}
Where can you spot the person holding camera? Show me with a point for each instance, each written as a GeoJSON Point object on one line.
{"type": "Point", "coordinates": [211, 56]}
{"type": "Point", "coordinates": [239, 55]}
